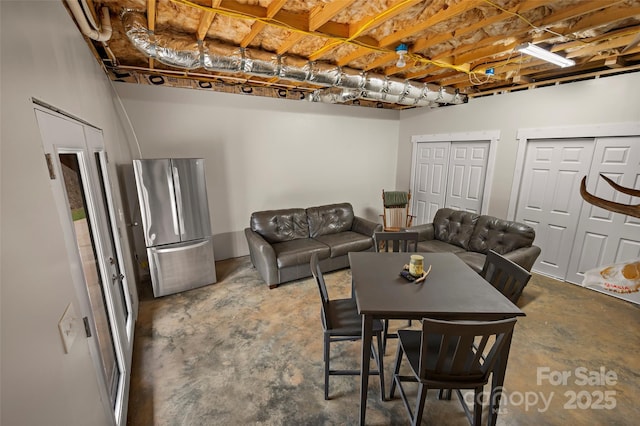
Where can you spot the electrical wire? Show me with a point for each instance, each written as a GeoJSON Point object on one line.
{"type": "Point", "coordinates": [351, 40]}
{"type": "Point", "coordinates": [362, 28]}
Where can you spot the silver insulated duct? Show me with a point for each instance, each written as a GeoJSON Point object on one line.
{"type": "Point", "coordinates": [344, 84]}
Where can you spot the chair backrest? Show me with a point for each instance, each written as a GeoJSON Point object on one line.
{"type": "Point", "coordinates": [508, 277]}
{"type": "Point", "coordinates": [461, 351]}
{"type": "Point", "coordinates": [316, 271]}
{"type": "Point", "coordinates": [401, 241]}
{"type": "Point", "coordinates": [396, 210]}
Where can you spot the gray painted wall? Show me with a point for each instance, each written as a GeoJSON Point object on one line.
{"type": "Point", "coordinates": [264, 153]}
{"type": "Point", "coordinates": [44, 56]}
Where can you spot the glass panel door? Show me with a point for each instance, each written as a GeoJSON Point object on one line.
{"type": "Point", "coordinates": [79, 181]}
{"type": "Point", "coordinates": [84, 225]}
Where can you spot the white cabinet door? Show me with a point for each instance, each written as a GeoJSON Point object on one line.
{"type": "Point", "coordinates": [466, 176]}
{"type": "Point", "coordinates": [430, 183]}
{"type": "Point", "coordinates": [550, 198]}
{"type": "Point", "coordinates": [604, 237]}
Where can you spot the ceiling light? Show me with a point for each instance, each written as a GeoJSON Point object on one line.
{"type": "Point", "coordinates": [401, 50]}
{"type": "Point", "coordinates": [540, 53]}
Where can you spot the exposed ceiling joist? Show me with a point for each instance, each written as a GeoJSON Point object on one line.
{"type": "Point", "coordinates": [466, 46]}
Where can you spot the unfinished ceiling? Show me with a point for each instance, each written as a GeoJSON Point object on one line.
{"type": "Point", "coordinates": [344, 51]}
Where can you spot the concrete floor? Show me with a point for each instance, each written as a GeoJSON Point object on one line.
{"type": "Point", "coordinates": [238, 353]}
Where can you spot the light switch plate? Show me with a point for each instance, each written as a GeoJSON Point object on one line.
{"type": "Point", "coordinates": [68, 327]}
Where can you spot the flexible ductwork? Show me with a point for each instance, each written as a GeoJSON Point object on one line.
{"type": "Point", "coordinates": [347, 84]}
{"type": "Point", "coordinates": [90, 31]}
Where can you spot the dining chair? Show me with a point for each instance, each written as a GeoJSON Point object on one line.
{"type": "Point", "coordinates": [400, 241]}
{"type": "Point", "coordinates": [396, 241]}
{"type": "Point", "coordinates": [443, 356]}
{"type": "Point", "coordinates": [506, 276]}
{"type": "Point", "coordinates": [342, 322]}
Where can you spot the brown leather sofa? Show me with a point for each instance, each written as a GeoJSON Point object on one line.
{"type": "Point", "coordinates": [471, 236]}
{"type": "Point", "coordinates": [281, 242]}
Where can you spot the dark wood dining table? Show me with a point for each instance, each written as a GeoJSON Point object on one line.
{"type": "Point", "coordinates": [451, 291]}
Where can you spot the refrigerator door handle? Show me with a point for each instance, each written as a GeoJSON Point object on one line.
{"type": "Point", "coordinates": [180, 247]}
{"type": "Point", "coordinates": [178, 221]}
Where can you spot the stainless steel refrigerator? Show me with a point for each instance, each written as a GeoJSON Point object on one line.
{"type": "Point", "coordinates": [174, 208]}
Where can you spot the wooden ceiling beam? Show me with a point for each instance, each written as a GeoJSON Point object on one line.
{"type": "Point", "coordinates": [322, 13]}
{"type": "Point", "coordinates": [370, 22]}
{"type": "Point", "coordinates": [609, 15]}
{"type": "Point", "coordinates": [443, 15]}
{"type": "Point", "coordinates": [592, 49]}
{"type": "Point", "coordinates": [440, 16]}
{"type": "Point", "coordinates": [579, 9]}
{"type": "Point", "coordinates": [425, 43]}
{"type": "Point", "coordinates": [151, 22]}
{"type": "Point", "coordinates": [289, 42]}
{"type": "Point", "coordinates": [624, 32]}
{"type": "Point", "coordinates": [416, 75]}
{"type": "Point", "coordinates": [381, 60]}
{"type": "Point", "coordinates": [205, 21]}
{"type": "Point", "coordinates": [486, 48]}
{"type": "Point", "coordinates": [273, 8]}
{"type": "Point", "coordinates": [255, 30]}
{"type": "Point", "coordinates": [357, 53]}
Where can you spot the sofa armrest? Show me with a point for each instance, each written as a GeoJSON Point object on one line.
{"type": "Point", "coordinates": [425, 232]}
{"type": "Point", "coordinates": [524, 256]}
{"type": "Point", "coordinates": [365, 226]}
{"type": "Point", "coordinates": [262, 256]}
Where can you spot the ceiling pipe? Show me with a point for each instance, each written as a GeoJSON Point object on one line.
{"type": "Point", "coordinates": [98, 35]}
{"type": "Point", "coordinates": [184, 52]}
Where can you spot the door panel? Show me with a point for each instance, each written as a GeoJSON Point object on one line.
{"type": "Point", "coordinates": [154, 182]}
{"type": "Point", "coordinates": [467, 170]}
{"type": "Point", "coordinates": [191, 198]}
{"type": "Point", "coordinates": [177, 264]}
{"type": "Point", "coordinates": [604, 237]}
{"type": "Point", "coordinates": [449, 174]}
{"type": "Point", "coordinates": [550, 200]}
{"type": "Point", "coordinates": [430, 181]}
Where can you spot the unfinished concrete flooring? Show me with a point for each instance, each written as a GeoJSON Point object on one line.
{"type": "Point", "coordinates": [237, 353]}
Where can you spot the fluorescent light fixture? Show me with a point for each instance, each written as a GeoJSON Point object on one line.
{"type": "Point", "coordinates": [540, 53]}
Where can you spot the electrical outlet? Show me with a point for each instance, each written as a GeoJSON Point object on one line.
{"type": "Point", "coordinates": [68, 327]}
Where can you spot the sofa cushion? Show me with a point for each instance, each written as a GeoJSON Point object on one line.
{"type": "Point", "coordinates": [436, 246]}
{"type": "Point", "coordinates": [329, 219]}
{"type": "Point", "coordinates": [344, 242]}
{"type": "Point", "coordinates": [298, 252]}
{"type": "Point", "coordinates": [500, 235]}
{"type": "Point", "coordinates": [473, 259]}
{"type": "Point", "coordinates": [277, 226]}
{"type": "Point", "coordinates": [454, 226]}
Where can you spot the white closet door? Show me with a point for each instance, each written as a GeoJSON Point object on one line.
{"type": "Point", "coordinates": [604, 237]}
{"type": "Point", "coordinates": [550, 198]}
{"type": "Point", "coordinates": [430, 184]}
{"type": "Point", "coordinates": [466, 177]}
